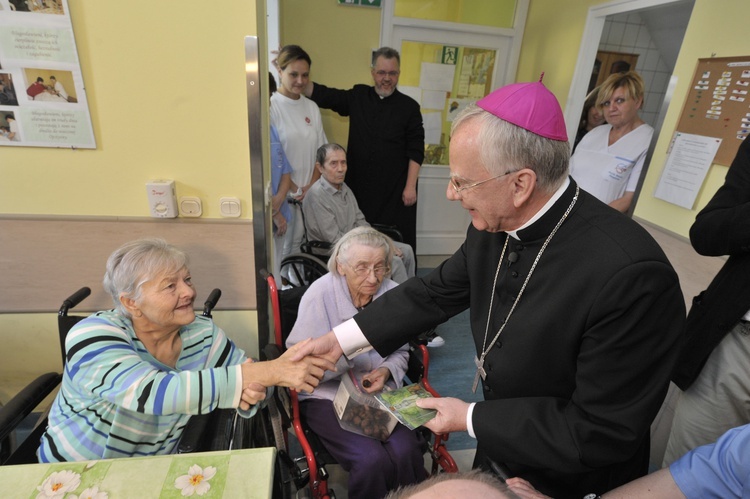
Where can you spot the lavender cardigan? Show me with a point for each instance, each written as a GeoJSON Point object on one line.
{"type": "Point", "coordinates": [328, 303]}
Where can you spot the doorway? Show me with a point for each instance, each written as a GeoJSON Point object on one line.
{"type": "Point", "coordinates": [653, 31]}
{"type": "Point", "coordinates": [445, 66]}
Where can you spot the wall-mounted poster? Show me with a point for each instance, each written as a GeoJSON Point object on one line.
{"type": "Point", "coordinates": [42, 97]}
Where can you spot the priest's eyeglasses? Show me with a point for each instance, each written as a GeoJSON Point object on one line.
{"type": "Point", "coordinates": [456, 182]}
{"type": "Point", "coordinates": [363, 270]}
{"type": "Point", "coordinates": [381, 74]}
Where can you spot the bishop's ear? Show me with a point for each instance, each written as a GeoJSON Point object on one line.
{"type": "Point", "coordinates": [524, 184]}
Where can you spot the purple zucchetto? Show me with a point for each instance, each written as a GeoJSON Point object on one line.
{"type": "Point", "coordinates": [530, 106]}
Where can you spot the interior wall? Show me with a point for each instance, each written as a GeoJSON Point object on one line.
{"type": "Point", "coordinates": [551, 42]}
{"type": "Point", "coordinates": [340, 40]}
{"type": "Point", "coordinates": [702, 40]}
{"type": "Point", "coordinates": [166, 92]}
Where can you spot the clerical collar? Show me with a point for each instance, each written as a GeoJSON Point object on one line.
{"type": "Point", "coordinates": [539, 214]}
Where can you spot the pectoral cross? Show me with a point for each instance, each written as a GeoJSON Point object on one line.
{"type": "Point", "coordinates": [480, 372]}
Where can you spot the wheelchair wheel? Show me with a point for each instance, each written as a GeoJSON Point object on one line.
{"type": "Point", "coordinates": [302, 269]}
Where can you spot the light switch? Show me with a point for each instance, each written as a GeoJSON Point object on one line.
{"type": "Point", "coordinates": [230, 207]}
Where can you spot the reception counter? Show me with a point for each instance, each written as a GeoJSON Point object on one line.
{"type": "Point", "coordinates": [245, 473]}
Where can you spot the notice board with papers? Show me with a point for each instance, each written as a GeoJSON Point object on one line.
{"type": "Point", "coordinates": [718, 104]}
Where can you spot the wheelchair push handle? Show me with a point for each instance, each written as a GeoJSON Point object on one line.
{"type": "Point", "coordinates": [74, 299]}
{"type": "Point", "coordinates": [211, 301]}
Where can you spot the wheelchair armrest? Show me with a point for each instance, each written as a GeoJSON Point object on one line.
{"type": "Point", "coordinates": [317, 248]}
{"type": "Point", "coordinates": [23, 403]}
{"type": "Point", "coordinates": [192, 436]}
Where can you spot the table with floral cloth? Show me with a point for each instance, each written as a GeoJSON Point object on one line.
{"type": "Point", "coordinates": [246, 473]}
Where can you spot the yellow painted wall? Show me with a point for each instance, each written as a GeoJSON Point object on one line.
{"type": "Point", "coordinates": [340, 40]}
{"type": "Point", "coordinates": [497, 13]}
{"type": "Point", "coordinates": [720, 31]}
{"type": "Point", "coordinates": [166, 88]}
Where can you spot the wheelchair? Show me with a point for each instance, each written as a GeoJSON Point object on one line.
{"type": "Point", "coordinates": [311, 262]}
{"type": "Point", "coordinates": [310, 468]}
{"type": "Point", "coordinates": [221, 429]}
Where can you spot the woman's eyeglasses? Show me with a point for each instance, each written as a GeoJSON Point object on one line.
{"type": "Point", "coordinates": [362, 270]}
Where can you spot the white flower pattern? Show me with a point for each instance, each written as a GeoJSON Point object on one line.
{"type": "Point", "coordinates": [196, 481]}
{"type": "Point", "coordinates": [90, 493]}
{"type": "Point", "coordinates": [58, 484]}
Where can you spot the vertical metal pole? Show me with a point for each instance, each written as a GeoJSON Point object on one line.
{"type": "Point", "coordinates": [256, 123]}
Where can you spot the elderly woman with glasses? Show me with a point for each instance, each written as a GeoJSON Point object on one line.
{"type": "Point", "coordinates": [359, 268]}
{"type": "Point", "coordinates": [134, 375]}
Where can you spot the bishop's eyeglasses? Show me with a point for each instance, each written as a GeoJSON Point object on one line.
{"type": "Point", "coordinates": [456, 182]}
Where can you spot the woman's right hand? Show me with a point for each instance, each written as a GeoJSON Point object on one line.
{"type": "Point", "coordinates": [281, 225]}
{"type": "Point", "coordinates": [302, 375]}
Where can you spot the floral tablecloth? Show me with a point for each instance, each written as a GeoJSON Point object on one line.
{"type": "Point", "coordinates": [246, 473]}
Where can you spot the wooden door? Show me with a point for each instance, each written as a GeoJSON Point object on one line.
{"type": "Point", "coordinates": [607, 63]}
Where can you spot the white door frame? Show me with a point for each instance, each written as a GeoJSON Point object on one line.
{"type": "Point", "coordinates": [592, 34]}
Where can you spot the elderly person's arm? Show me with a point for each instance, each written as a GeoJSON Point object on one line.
{"type": "Point", "coordinates": [103, 363]}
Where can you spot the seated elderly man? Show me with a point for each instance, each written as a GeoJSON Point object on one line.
{"type": "Point", "coordinates": [331, 210]}
{"type": "Point", "coordinates": [135, 374]}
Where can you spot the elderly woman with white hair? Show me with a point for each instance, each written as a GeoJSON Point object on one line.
{"type": "Point", "coordinates": [359, 266]}
{"type": "Point", "coordinates": [134, 375]}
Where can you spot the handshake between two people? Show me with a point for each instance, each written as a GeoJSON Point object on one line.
{"type": "Point", "coordinates": [301, 367]}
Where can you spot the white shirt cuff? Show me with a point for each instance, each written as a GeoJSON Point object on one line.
{"type": "Point", "coordinates": [351, 339]}
{"type": "Point", "coordinates": [469, 426]}
{"type": "Point", "coordinates": [237, 395]}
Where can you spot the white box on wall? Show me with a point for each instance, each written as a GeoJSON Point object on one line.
{"type": "Point", "coordinates": [162, 201]}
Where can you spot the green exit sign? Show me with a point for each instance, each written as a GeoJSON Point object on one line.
{"type": "Point", "coordinates": [363, 3]}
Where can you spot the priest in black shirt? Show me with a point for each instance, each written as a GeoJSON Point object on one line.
{"type": "Point", "coordinates": [385, 145]}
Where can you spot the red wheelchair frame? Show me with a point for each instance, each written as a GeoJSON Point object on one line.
{"type": "Point", "coordinates": [313, 450]}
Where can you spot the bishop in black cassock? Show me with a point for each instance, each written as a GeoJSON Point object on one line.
{"type": "Point", "coordinates": [575, 310]}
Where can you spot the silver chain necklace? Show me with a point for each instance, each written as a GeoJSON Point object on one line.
{"type": "Point", "coordinates": [479, 361]}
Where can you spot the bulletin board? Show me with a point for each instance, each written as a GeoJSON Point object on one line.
{"type": "Point", "coordinates": [718, 104]}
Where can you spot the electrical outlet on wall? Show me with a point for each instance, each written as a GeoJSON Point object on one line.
{"type": "Point", "coordinates": [190, 206]}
